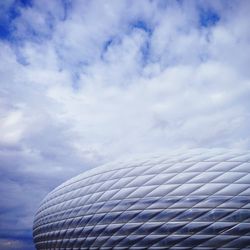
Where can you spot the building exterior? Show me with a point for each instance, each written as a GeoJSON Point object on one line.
{"type": "Point", "coordinates": [186, 200]}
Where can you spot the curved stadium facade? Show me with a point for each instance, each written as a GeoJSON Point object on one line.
{"type": "Point", "coordinates": [193, 200]}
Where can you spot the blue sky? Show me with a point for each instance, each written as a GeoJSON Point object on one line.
{"type": "Point", "coordinates": [86, 82]}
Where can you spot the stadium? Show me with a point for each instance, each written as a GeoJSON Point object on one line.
{"type": "Point", "coordinates": [197, 199]}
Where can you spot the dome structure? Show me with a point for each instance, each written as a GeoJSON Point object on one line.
{"type": "Point", "coordinates": [188, 200]}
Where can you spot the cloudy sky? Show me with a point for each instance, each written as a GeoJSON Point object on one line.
{"type": "Point", "coordinates": [85, 82]}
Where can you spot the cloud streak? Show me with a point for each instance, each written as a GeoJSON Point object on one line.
{"type": "Point", "coordinates": [85, 82]}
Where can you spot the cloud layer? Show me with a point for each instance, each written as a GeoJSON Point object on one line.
{"type": "Point", "coordinates": [85, 82]}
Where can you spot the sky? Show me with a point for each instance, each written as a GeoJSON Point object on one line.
{"type": "Point", "coordinates": [86, 82]}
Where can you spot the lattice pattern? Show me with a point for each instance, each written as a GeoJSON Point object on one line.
{"type": "Point", "coordinates": [196, 200]}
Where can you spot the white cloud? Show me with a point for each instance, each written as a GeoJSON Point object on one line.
{"type": "Point", "coordinates": [96, 81]}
